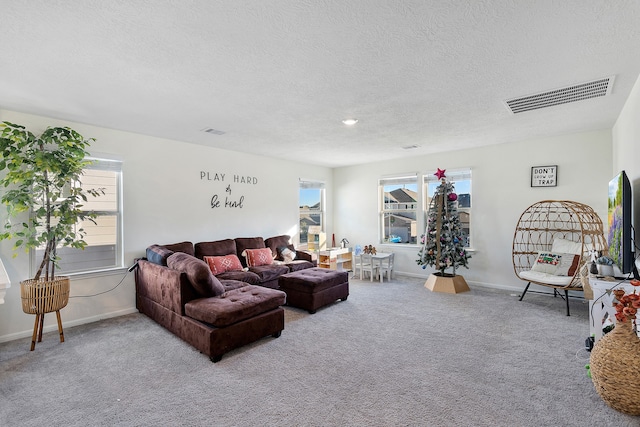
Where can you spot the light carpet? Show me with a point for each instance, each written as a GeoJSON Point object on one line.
{"type": "Point", "coordinates": [393, 354]}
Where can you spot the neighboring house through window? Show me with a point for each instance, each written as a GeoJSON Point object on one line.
{"type": "Point", "coordinates": [461, 179]}
{"type": "Point", "coordinates": [404, 204]}
{"type": "Point", "coordinates": [398, 214]}
{"type": "Point", "coordinates": [311, 206]}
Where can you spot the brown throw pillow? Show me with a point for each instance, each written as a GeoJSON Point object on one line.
{"type": "Point", "coordinates": [198, 273]}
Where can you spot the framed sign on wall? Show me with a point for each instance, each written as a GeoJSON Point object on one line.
{"type": "Point", "coordinates": [544, 176]}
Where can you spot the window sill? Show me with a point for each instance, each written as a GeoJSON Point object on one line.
{"type": "Point", "coordinates": [97, 273]}
{"type": "Point", "coordinates": [412, 246]}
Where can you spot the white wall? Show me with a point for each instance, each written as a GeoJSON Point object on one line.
{"type": "Point", "coordinates": [165, 201]}
{"type": "Point", "coordinates": [501, 192]}
{"type": "Point", "coordinates": [626, 150]}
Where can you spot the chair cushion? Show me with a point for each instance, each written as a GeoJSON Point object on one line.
{"type": "Point", "coordinates": [235, 306]}
{"type": "Point", "coordinates": [198, 272]}
{"type": "Point", "coordinates": [566, 246]}
{"type": "Point", "coordinates": [244, 276]}
{"type": "Point", "coordinates": [269, 272]}
{"type": "Point", "coordinates": [547, 278]}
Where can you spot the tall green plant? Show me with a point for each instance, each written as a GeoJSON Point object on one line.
{"type": "Point", "coordinates": [42, 179]}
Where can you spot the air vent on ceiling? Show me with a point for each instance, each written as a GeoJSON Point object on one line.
{"type": "Point", "coordinates": [577, 92]}
{"type": "Point", "coordinates": [213, 131]}
{"type": "Point", "coordinates": [410, 147]}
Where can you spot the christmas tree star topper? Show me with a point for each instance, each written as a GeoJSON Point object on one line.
{"type": "Point", "coordinates": [440, 174]}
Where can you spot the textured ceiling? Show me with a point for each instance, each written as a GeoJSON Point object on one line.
{"type": "Point", "coordinates": [279, 76]}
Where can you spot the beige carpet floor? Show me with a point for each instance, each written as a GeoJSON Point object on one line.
{"type": "Point", "coordinates": [393, 354]}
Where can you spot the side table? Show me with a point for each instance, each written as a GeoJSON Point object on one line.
{"type": "Point", "coordinates": [601, 306]}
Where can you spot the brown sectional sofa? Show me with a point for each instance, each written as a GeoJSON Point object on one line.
{"type": "Point", "coordinates": [214, 313]}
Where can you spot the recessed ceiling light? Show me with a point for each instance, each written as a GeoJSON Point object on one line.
{"type": "Point", "coordinates": [350, 122]}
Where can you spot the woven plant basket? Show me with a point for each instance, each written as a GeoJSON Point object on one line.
{"type": "Point", "coordinates": [615, 369]}
{"type": "Point", "coordinates": [44, 296]}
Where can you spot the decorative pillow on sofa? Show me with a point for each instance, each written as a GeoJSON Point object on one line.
{"type": "Point", "coordinates": [558, 264]}
{"type": "Point", "coordinates": [256, 257]}
{"type": "Point", "coordinates": [158, 254]}
{"type": "Point", "coordinates": [221, 264]}
{"type": "Point", "coordinates": [286, 254]}
{"type": "Point", "coordinates": [201, 278]}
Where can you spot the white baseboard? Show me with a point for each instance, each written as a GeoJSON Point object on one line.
{"type": "Point", "coordinates": [69, 324]}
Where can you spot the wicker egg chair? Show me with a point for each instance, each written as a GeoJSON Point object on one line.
{"type": "Point", "coordinates": [556, 220]}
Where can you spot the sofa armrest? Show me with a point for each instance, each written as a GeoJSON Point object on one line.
{"type": "Point", "coordinates": [307, 256]}
{"type": "Point", "coordinates": [165, 286]}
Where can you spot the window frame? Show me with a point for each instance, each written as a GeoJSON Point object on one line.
{"type": "Point", "coordinates": [110, 165]}
{"type": "Point", "coordinates": [311, 184]}
{"type": "Point", "coordinates": [386, 208]}
{"type": "Point", "coordinates": [422, 202]}
{"type": "Point", "coordinates": [452, 175]}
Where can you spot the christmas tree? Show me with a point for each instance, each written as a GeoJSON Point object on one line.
{"type": "Point", "coordinates": [443, 242]}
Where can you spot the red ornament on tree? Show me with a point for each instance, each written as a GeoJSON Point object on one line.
{"type": "Point", "coordinates": [452, 197]}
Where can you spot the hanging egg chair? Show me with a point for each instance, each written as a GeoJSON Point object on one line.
{"type": "Point", "coordinates": [553, 243]}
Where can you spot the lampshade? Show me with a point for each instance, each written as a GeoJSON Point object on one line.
{"type": "Point", "coordinates": [4, 282]}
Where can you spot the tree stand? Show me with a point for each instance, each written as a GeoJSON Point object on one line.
{"type": "Point", "coordinates": [447, 283]}
{"type": "Point", "coordinates": [44, 296]}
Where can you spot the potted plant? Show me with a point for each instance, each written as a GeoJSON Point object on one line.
{"type": "Point", "coordinates": [41, 185]}
{"type": "Point", "coordinates": [615, 358]}
{"type": "Point", "coordinates": [605, 266]}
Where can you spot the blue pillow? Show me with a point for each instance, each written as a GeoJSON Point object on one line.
{"type": "Point", "coordinates": [158, 254]}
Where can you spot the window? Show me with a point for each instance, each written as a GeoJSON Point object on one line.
{"type": "Point", "coordinates": [104, 238]}
{"type": "Point", "coordinates": [461, 179]}
{"type": "Point", "coordinates": [311, 208]}
{"type": "Point", "coordinates": [398, 211]}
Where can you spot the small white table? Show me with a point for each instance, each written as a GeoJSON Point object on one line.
{"type": "Point", "coordinates": [377, 259]}
{"type": "Point", "coordinates": [601, 306]}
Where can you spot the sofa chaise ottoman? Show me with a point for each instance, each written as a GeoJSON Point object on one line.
{"type": "Point", "coordinates": [313, 288]}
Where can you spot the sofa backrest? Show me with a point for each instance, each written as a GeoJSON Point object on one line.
{"type": "Point", "coordinates": [215, 248]}
{"type": "Point", "coordinates": [276, 242]}
{"type": "Point", "coordinates": [186, 247]}
{"type": "Point", "coordinates": [243, 243]}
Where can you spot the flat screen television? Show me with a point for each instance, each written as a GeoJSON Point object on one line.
{"type": "Point", "coordinates": [620, 238]}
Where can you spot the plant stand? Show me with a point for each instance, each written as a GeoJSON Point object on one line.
{"type": "Point", "coordinates": [447, 283]}
{"type": "Point", "coordinates": [44, 296]}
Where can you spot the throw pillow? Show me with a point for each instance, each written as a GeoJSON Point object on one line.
{"type": "Point", "coordinates": [288, 255]}
{"type": "Point", "coordinates": [558, 264]}
{"type": "Point", "coordinates": [201, 278]}
{"type": "Point", "coordinates": [257, 257]}
{"type": "Point", "coordinates": [565, 246]}
{"type": "Point", "coordinates": [221, 264]}
{"type": "Point", "coordinates": [158, 254]}
{"type": "Point", "coordinates": [568, 265]}
{"type": "Point", "coordinates": [546, 262]}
